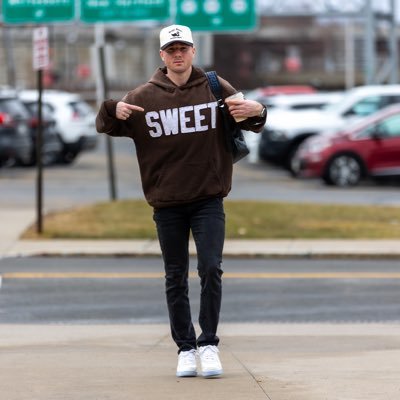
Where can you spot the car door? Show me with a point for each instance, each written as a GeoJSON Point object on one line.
{"type": "Point", "coordinates": [385, 158]}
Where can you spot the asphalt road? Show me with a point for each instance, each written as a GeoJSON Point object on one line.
{"type": "Point", "coordinates": [86, 181]}
{"type": "Point", "coordinates": [131, 290]}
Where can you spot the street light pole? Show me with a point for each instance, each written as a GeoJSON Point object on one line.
{"type": "Point", "coordinates": [394, 53]}
{"type": "Point", "coordinates": [369, 43]}
{"type": "Point", "coordinates": [349, 53]}
{"type": "Point", "coordinates": [102, 94]}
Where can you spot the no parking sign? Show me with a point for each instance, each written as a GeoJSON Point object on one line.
{"type": "Point", "coordinates": [41, 48]}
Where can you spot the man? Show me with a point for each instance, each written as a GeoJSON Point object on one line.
{"type": "Point", "coordinates": [186, 171]}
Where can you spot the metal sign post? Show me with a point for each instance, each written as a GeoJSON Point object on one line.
{"type": "Point", "coordinates": [102, 93]}
{"type": "Point", "coordinates": [40, 61]}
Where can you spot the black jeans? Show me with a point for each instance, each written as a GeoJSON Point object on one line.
{"type": "Point", "coordinates": [206, 220]}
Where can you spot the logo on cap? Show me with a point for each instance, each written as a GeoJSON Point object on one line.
{"type": "Point", "coordinates": [175, 33]}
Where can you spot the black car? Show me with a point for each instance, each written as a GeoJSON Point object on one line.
{"type": "Point", "coordinates": [15, 134]}
{"type": "Point", "coordinates": [51, 145]}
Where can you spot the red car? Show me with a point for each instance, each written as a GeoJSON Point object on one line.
{"type": "Point", "coordinates": [368, 148]}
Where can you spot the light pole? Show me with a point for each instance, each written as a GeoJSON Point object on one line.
{"type": "Point", "coordinates": [394, 53]}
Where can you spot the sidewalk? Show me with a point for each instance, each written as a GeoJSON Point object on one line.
{"type": "Point", "coordinates": [260, 361]}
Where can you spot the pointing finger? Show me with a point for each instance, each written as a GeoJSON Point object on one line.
{"type": "Point", "coordinates": [133, 107]}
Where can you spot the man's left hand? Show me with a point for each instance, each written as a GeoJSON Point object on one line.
{"type": "Point", "coordinates": [245, 108]}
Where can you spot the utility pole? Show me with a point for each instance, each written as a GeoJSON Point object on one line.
{"type": "Point", "coordinates": [9, 56]}
{"type": "Point", "coordinates": [102, 94]}
{"type": "Point", "coordinates": [349, 53]}
{"type": "Point", "coordinates": [394, 53]}
{"type": "Point", "coordinates": [369, 43]}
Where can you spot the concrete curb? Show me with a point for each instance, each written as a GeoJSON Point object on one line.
{"type": "Point", "coordinates": [233, 248]}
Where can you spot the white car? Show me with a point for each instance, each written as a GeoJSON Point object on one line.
{"type": "Point", "coordinates": [75, 120]}
{"type": "Point", "coordinates": [285, 132]}
{"type": "Point", "coordinates": [297, 102]}
{"type": "Point", "coordinates": [279, 105]}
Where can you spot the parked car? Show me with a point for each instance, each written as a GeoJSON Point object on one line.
{"type": "Point", "coordinates": [75, 120]}
{"type": "Point", "coordinates": [15, 139]}
{"type": "Point", "coordinates": [286, 131]}
{"type": "Point", "coordinates": [274, 90]}
{"type": "Point", "coordinates": [280, 104]}
{"type": "Point", "coordinates": [298, 102]}
{"type": "Point", "coordinates": [51, 144]}
{"type": "Point", "coordinates": [370, 147]}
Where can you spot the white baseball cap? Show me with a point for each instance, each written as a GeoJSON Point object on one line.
{"type": "Point", "coordinates": [175, 33]}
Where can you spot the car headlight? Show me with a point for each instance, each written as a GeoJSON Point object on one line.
{"type": "Point", "coordinates": [318, 144]}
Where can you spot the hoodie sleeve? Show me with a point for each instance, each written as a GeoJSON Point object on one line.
{"type": "Point", "coordinates": [255, 124]}
{"type": "Point", "coordinates": [107, 122]}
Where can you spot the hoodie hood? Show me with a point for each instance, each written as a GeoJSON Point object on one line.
{"type": "Point", "coordinates": [160, 78]}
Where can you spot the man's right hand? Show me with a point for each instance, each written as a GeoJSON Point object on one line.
{"type": "Point", "coordinates": [124, 110]}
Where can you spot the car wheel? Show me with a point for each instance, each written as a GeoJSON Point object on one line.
{"type": "Point", "coordinates": [343, 170]}
{"type": "Point", "coordinates": [8, 162]}
{"type": "Point", "coordinates": [50, 158]}
{"type": "Point", "coordinates": [293, 161]}
{"type": "Point", "coordinates": [68, 157]}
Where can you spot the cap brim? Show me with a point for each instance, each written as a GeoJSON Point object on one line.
{"type": "Point", "coordinates": [176, 41]}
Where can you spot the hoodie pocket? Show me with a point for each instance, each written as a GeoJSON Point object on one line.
{"type": "Point", "coordinates": [186, 182]}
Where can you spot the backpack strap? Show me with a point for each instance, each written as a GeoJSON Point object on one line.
{"type": "Point", "coordinates": [215, 86]}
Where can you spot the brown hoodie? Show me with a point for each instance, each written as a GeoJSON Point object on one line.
{"type": "Point", "coordinates": [179, 140]}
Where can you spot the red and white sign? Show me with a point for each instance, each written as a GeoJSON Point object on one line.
{"type": "Point", "coordinates": [41, 58]}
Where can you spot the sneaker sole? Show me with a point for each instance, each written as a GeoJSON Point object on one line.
{"type": "Point", "coordinates": [213, 374]}
{"type": "Point", "coordinates": [187, 374]}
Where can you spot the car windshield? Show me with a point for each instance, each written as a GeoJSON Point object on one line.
{"type": "Point", "coordinates": [361, 123]}
{"type": "Point", "coordinates": [14, 107]}
{"type": "Point", "coordinates": [347, 102]}
{"type": "Point", "coordinates": [388, 127]}
{"type": "Point", "coordinates": [391, 126]}
{"type": "Point", "coordinates": [46, 109]}
{"type": "Point", "coordinates": [360, 107]}
{"type": "Point", "coordinates": [80, 108]}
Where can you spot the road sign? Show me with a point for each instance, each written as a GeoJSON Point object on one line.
{"type": "Point", "coordinates": [41, 48]}
{"type": "Point", "coordinates": [217, 15]}
{"type": "Point", "coordinates": [124, 10]}
{"type": "Point", "coordinates": [38, 11]}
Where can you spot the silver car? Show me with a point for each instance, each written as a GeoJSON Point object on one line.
{"type": "Point", "coordinates": [75, 120]}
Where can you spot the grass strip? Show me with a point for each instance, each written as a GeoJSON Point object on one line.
{"type": "Point", "coordinates": [132, 219]}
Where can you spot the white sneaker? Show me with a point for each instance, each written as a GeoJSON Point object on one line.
{"type": "Point", "coordinates": [186, 363]}
{"type": "Point", "coordinates": [210, 363]}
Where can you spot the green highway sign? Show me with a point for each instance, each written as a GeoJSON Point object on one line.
{"type": "Point", "coordinates": [124, 10]}
{"type": "Point", "coordinates": [216, 15]}
{"type": "Point", "coordinates": [38, 11]}
{"type": "Point", "coordinates": [199, 15]}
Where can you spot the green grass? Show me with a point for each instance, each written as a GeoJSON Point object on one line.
{"type": "Point", "coordinates": [132, 219]}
